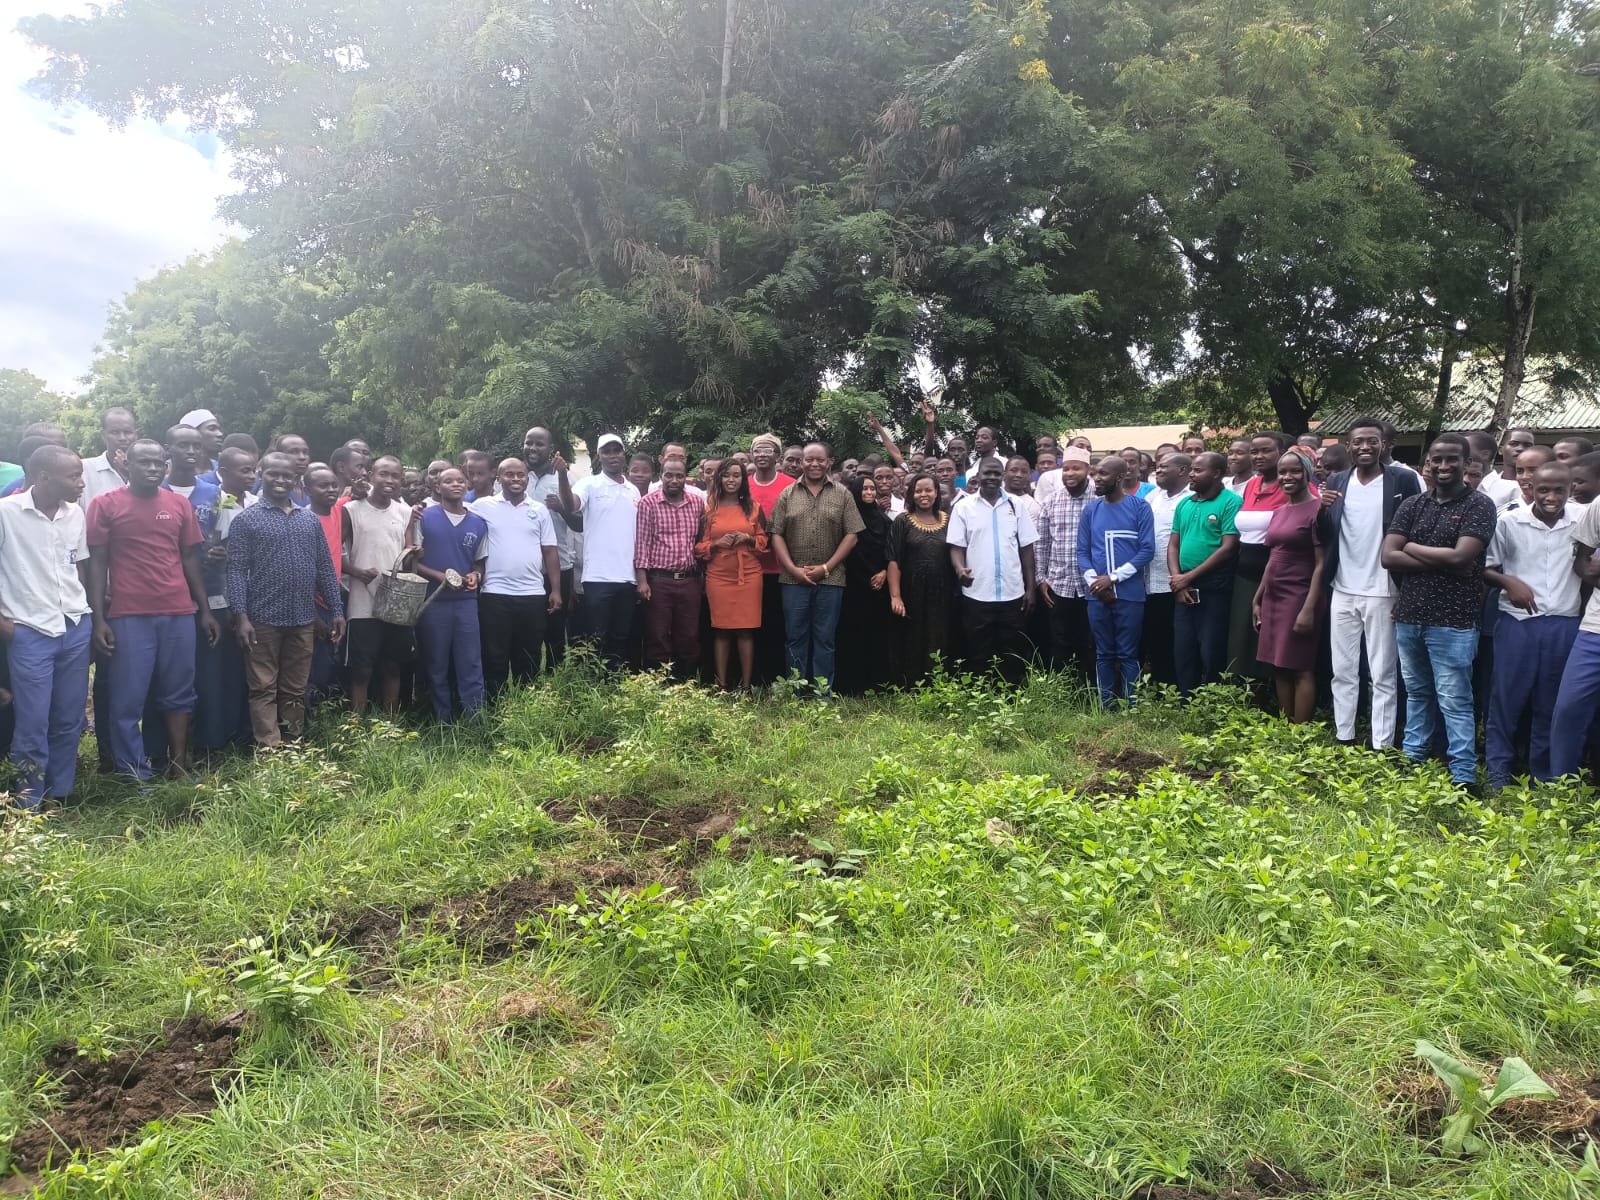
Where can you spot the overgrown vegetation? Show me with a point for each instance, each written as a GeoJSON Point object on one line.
{"type": "Point", "coordinates": [633, 941]}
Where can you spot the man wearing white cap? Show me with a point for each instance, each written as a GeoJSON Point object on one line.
{"type": "Point", "coordinates": [211, 434]}
{"type": "Point", "coordinates": [603, 510]}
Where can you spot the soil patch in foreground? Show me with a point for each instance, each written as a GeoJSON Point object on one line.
{"type": "Point", "coordinates": [489, 920]}
{"type": "Point", "coordinates": [1118, 774]}
{"type": "Point", "coordinates": [637, 821]}
{"type": "Point", "coordinates": [104, 1104]}
{"type": "Point", "coordinates": [1267, 1181]}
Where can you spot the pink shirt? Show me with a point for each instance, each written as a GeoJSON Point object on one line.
{"type": "Point", "coordinates": [144, 538]}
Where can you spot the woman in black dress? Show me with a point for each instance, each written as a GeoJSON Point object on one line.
{"type": "Point", "coordinates": [863, 639]}
{"type": "Point", "coordinates": [922, 583]}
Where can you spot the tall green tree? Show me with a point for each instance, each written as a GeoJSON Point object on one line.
{"type": "Point", "coordinates": [1499, 104]}
{"type": "Point", "coordinates": [24, 399]}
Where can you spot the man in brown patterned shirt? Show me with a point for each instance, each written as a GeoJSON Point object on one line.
{"type": "Point", "coordinates": [814, 527]}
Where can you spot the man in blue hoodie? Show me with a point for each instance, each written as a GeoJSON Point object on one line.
{"type": "Point", "coordinates": [1116, 542]}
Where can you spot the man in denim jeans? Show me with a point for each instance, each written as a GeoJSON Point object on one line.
{"type": "Point", "coordinates": [814, 527]}
{"type": "Point", "coordinates": [1435, 546]}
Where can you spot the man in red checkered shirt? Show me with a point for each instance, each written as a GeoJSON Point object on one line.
{"type": "Point", "coordinates": [667, 573]}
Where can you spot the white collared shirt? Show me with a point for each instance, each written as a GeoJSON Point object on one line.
{"type": "Point", "coordinates": [1163, 507]}
{"type": "Point", "coordinates": [39, 557]}
{"type": "Point", "coordinates": [540, 488]}
{"type": "Point", "coordinates": [993, 535]}
{"type": "Point", "coordinates": [1504, 492]}
{"type": "Point", "coordinates": [610, 527]}
{"type": "Point", "coordinates": [1540, 555]}
{"type": "Point", "coordinates": [518, 534]}
{"type": "Point", "coordinates": [99, 477]}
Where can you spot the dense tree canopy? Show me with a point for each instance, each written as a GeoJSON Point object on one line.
{"type": "Point", "coordinates": [697, 218]}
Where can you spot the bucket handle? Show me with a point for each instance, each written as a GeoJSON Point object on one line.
{"type": "Point", "coordinates": [406, 553]}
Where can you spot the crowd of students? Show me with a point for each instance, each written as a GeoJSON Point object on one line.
{"type": "Point", "coordinates": [218, 591]}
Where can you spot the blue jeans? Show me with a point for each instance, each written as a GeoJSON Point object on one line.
{"type": "Point", "coordinates": [1117, 628]}
{"type": "Point", "coordinates": [810, 620]}
{"type": "Point", "coordinates": [154, 660]}
{"type": "Point", "coordinates": [1577, 700]}
{"type": "Point", "coordinates": [49, 688]}
{"type": "Point", "coordinates": [1436, 664]}
{"type": "Point", "coordinates": [447, 636]}
{"type": "Point", "coordinates": [1200, 633]}
{"type": "Point", "coordinates": [1528, 655]}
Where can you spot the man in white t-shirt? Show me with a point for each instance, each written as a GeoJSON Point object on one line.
{"type": "Point", "coordinates": [604, 510]}
{"type": "Point", "coordinates": [107, 472]}
{"type": "Point", "coordinates": [1357, 506]}
{"type": "Point", "coordinates": [991, 541]}
{"type": "Point", "coordinates": [1172, 486]}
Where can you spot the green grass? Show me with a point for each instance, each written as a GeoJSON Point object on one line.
{"type": "Point", "coordinates": [1005, 986]}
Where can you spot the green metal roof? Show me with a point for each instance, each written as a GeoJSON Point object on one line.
{"type": "Point", "coordinates": [1542, 405]}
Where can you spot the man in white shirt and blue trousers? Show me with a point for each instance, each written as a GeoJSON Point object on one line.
{"type": "Point", "coordinates": [44, 611]}
{"type": "Point", "coordinates": [1530, 560]}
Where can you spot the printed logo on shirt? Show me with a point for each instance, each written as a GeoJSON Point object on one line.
{"type": "Point", "coordinates": [163, 515]}
{"type": "Point", "coordinates": [469, 540]}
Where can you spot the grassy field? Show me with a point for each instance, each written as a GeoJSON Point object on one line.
{"type": "Point", "coordinates": [633, 941]}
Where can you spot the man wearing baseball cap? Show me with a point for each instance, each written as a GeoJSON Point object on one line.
{"type": "Point", "coordinates": [603, 511]}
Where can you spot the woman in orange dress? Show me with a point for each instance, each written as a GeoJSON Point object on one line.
{"type": "Point", "coordinates": [733, 536]}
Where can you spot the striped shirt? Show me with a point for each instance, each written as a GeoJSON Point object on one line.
{"type": "Point", "coordinates": [666, 533]}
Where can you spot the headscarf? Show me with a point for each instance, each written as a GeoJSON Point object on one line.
{"type": "Point", "coordinates": [872, 545]}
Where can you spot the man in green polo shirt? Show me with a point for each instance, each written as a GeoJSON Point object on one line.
{"type": "Point", "coordinates": [1200, 557]}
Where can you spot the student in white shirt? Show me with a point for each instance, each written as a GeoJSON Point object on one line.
{"type": "Point", "coordinates": [1172, 486]}
{"type": "Point", "coordinates": [45, 614]}
{"type": "Point", "coordinates": [1502, 487]}
{"type": "Point", "coordinates": [1530, 558]}
{"type": "Point", "coordinates": [603, 507]}
{"type": "Point", "coordinates": [991, 542]}
{"type": "Point", "coordinates": [108, 471]}
{"type": "Point", "coordinates": [1357, 506]}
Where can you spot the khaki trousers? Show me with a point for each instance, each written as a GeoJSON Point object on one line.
{"type": "Point", "coordinates": [276, 671]}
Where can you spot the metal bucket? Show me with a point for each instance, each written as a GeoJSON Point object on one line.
{"type": "Point", "coordinates": [401, 596]}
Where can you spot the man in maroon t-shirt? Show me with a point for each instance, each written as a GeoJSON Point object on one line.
{"type": "Point", "coordinates": [148, 540]}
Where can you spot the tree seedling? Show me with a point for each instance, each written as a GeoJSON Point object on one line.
{"type": "Point", "coordinates": [1516, 1081]}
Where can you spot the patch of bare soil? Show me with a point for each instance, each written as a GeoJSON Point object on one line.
{"type": "Point", "coordinates": [1118, 774]}
{"type": "Point", "coordinates": [1266, 1181]}
{"type": "Point", "coordinates": [104, 1104]}
{"type": "Point", "coordinates": [489, 920]}
{"type": "Point", "coordinates": [1571, 1121]}
{"type": "Point", "coordinates": [595, 743]}
{"type": "Point", "coordinates": [640, 822]}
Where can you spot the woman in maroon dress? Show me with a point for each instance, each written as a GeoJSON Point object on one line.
{"type": "Point", "coordinates": [1289, 603]}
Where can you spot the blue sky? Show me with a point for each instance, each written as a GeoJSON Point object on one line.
{"type": "Point", "coordinates": [86, 211]}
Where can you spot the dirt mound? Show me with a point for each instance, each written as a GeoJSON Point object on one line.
{"type": "Point", "coordinates": [595, 743]}
{"type": "Point", "coordinates": [1571, 1121]}
{"type": "Point", "coordinates": [1267, 1181]}
{"type": "Point", "coordinates": [640, 822]}
{"type": "Point", "coordinates": [105, 1103]}
{"type": "Point", "coordinates": [488, 919]}
{"type": "Point", "coordinates": [1117, 774]}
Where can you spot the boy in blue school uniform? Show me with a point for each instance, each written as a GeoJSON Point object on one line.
{"type": "Point", "coordinates": [454, 542]}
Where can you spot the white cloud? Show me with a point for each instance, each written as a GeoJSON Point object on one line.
{"type": "Point", "coordinates": [86, 211]}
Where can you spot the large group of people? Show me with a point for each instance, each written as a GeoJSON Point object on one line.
{"type": "Point", "coordinates": [212, 592]}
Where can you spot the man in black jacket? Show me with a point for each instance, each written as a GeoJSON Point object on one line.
{"type": "Point", "coordinates": [1357, 506]}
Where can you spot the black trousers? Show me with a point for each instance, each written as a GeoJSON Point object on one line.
{"type": "Point", "coordinates": [1071, 643]}
{"type": "Point", "coordinates": [511, 630]}
{"type": "Point", "coordinates": [995, 640]}
{"type": "Point", "coordinates": [1156, 648]}
{"type": "Point", "coordinates": [611, 612]}
{"type": "Point", "coordinates": [555, 624]}
{"type": "Point", "coordinates": [771, 640]}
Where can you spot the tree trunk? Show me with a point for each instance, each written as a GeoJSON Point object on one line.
{"type": "Point", "coordinates": [1290, 402]}
{"type": "Point", "coordinates": [1441, 391]}
{"type": "Point", "coordinates": [730, 23]}
{"type": "Point", "coordinates": [1520, 299]}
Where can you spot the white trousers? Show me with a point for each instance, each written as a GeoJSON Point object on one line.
{"type": "Point", "coordinates": [1352, 620]}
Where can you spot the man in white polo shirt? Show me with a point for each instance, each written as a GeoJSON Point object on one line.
{"type": "Point", "coordinates": [521, 579]}
{"type": "Point", "coordinates": [603, 508]}
{"type": "Point", "coordinates": [991, 547]}
{"type": "Point", "coordinates": [45, 615]}
{"type": "Point", "coordinates": [1530, 558]}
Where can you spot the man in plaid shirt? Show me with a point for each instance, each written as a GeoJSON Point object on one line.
{"type": "Point", "coordinates": [1056, 557]}
{"type": "Point", "coordinates": [667, 574]}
